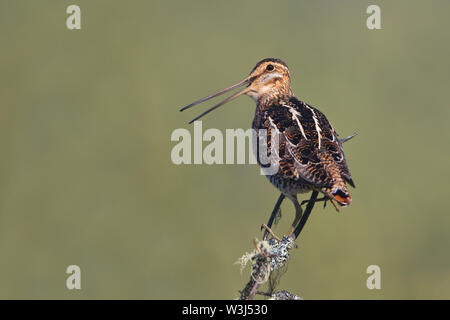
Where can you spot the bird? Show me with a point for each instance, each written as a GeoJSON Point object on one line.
{"type": "Point", "coordinates": [310, 154]}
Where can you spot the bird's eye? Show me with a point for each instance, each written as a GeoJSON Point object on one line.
{"type": "Point", "coordinates": [270, 67]}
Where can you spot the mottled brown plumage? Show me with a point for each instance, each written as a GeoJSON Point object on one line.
{"type": "Point", "coordinates": [310, 154]}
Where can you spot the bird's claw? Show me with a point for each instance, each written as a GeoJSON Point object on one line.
{"type": "Point", "coordinates": [264, 226]}
{"type": "Point", "coordinates": [325, 200]}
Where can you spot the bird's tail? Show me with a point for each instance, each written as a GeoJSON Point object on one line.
{"type": "Point", "coordinates": [339, 192]}
{"type": "Point", "coordinates": [338, 189]}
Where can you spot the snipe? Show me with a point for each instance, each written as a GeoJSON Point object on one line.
{"type": "Point", "coordinates": [310, 153]}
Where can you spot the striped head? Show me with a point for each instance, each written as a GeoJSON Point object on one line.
{"type": "Point", "coordinates": [270, 79]}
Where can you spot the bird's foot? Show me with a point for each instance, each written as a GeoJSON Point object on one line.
{"type": "Point", "coordinates": [269, 231]}
{"type": "Point", "coordinates": [334, 204]}
{"type": "Point", "coordinates": [324, 199]}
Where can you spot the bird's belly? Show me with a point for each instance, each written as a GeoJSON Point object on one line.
{"type": "Point", "coordinates": [288, 186]}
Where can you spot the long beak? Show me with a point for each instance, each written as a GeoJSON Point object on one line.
{"type": "Point", "coordinates": [237, 94]}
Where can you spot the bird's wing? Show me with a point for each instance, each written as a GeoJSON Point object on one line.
{"type": "Point", "coordinates": [334, 147]}
{"type": "Point", "coordinates": [308, 144]}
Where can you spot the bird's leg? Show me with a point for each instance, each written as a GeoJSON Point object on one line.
{"type": "Point", "coordinates": [305, 216]}
{"type": "Point", "coordinates": [324, 199]}
{"type": "Point", "coordinates": [272, 216]}
{"type": "Point", "coordinates": [298, 215]}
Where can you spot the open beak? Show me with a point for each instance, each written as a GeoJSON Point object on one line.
{"type": "Point", "coordinates": [237, 94]}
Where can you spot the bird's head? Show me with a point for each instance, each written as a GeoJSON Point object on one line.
{"type": "Point", "coordinates": [268, 80]}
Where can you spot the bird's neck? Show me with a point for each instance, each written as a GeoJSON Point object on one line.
{"type": "Point", "coordinates": [265, 101]}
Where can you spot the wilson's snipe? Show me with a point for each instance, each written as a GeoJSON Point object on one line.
{"type": "Point", "coordinates": [310, 153]}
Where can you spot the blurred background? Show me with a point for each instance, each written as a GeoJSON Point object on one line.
{"type": "Point", "coordinates": [86, 176]}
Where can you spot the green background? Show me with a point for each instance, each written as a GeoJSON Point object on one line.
{"type": "Point", "coordinates": [86, 176]}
